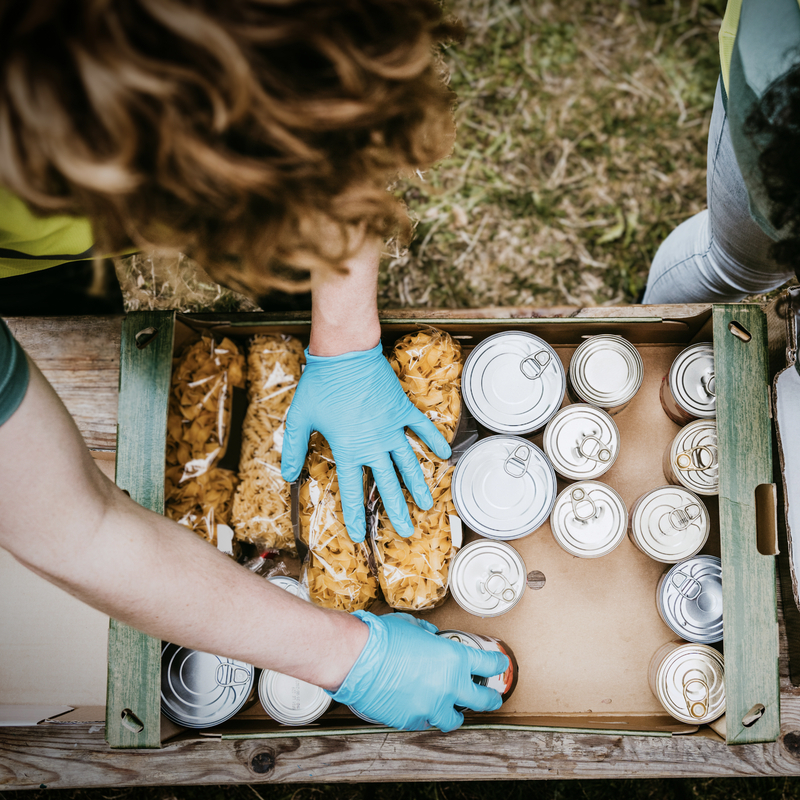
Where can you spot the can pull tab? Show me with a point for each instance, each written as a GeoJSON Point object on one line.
{"type": "Point", "coordinates": [533, 366]}
{"type": "Point", "coordinates": [506, 591]}
{"type": "Point", "coordinates": [689, 588]}
{"type": "Point", "coordinates": [602, 453]}
{"type": "Point", "coordinates": [687, 461]}
{"type": "Point", "coordinates": [692, 687]}
{"type": "Point", "coordinates": [709, 383]}
{"type": "Point", "coordinates": [579, 497]}
{"type": "Point", "coordinates": [516, 465]}
{"type": "Point", "coordinates": [231, 675]}
{"type": "Point", "coordinates": [680, 518]}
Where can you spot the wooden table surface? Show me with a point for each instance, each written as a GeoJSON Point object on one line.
{"type": "Point", "coordinates": [80, 357]}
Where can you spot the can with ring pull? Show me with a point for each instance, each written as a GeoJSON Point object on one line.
{"type": "Point", "coordinates": [692, 459]}
{"type": "Point", "coordinates": [688, 390]}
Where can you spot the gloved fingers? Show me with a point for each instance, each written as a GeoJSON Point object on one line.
{"type": "Point", "coordinates": [448, 719]}
{"type": "Point", "coordinates": [351, 489]}
{"type": "Point", "coordinates": [428, 432]}
{"type": "Point", "coordinates": [412, 474]}
{"type": "Point", "coordinates": [295, 446]}
{"type": "Point", "coordinates": [391, 494]}
{"type": "Point", "coordinates": [480, 698]}
{"type": "Point", "coordinates": [429, 627]}
{"type": "Point", "coordinates": [487, 664]}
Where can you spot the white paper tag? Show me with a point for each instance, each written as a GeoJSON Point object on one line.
{"type": "Point", "coordinates": [225, 539]}
{"type": "Point", "coordinates": [456, 534]}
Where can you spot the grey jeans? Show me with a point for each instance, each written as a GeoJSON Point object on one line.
{"type": "Point", "coordinates": [720, 255]}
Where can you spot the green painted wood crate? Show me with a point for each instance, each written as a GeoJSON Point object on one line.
{"type": "Point", "coordinates": [746, 502]}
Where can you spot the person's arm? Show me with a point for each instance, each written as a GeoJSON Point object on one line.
{"type": "Point", "coordinates": [62, 518]}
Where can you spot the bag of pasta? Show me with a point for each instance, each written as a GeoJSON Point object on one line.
{"type": "Point", "coordinates": [198, 493]}
{"type": "Point", "coordinates": [428, 364]}
{"type": "Point", "coordinates": [413, 571]}
{"type": "Point", "coordinates": [262, 504]}
{"type": "Point", "coordinates": [337, 571]}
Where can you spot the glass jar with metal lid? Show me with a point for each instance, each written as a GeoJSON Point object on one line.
{"type": "Point", "coordinates": [504, 683]}
{"type": "Point", "coordinates": [589, 519]}
{"type": "Point", "coordinates": [582, 442]}
{"type": "Point", "coordinates": [487, 578]}
{"type": "Point", "coordinates": [691, 460]}
{"type": "Point", "coordinates": [513, 382]}
{"type": "Point", "coordinates": [689, 681]}
{"type": "Point", "coordinates": [503, 487]}
{"type": "Point", "coordinates": [669, 524]}
{"type": "Point", "coordinates": [688, 391]}
{"type": "Point", "coordinates": [291, 701]}
{"type": "Point", "coordinates": [291, 585]}
{"type": "Point", "coordinates": [200, 690]}
{"type": "Point", "coordinates": [606, 371]}
{"type": "Point", "coordinates": [689, 599]}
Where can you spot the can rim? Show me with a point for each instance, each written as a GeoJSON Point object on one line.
{"type": "Point", "coordinates": [671, 661]}
{"type": "Point", "coordinates": [561, 465]}
{"type": "Point", "coordinates": [586, 351]}
{"type": "Point", "coordinates": [665, 590]}
{"type": "Point", "coordinates": [677, 382]}
{"type": "Point", "coordinates": [678, 448]}
{"type": "Point", "coordinates": [265, 692]}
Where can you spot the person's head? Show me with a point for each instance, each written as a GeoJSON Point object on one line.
{"type": "Point", "coordinates": [251, 134]}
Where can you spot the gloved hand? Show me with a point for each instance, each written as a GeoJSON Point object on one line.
{"type": "Point", "coordinates": [409, 678]}
{"type": "Point", "coordinates": [357, 403]}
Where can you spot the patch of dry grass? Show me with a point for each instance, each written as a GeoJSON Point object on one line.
{"type": "Point", "coordinates": [582, 143]}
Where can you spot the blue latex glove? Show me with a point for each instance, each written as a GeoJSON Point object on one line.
{"type": "Point", "coordinates": [357, 403]}
{"type": "Point", "coordinates": [408, 678]}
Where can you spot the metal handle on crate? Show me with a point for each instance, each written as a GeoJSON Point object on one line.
{"type": "Point", "coordinates": [537, 365]}
{"type": "Point", "coordinates": [685, 461]}
{"type": "Point", "coordinates": [688, 583]}
{"type": "Point", "coordinates": [507, 593]}
{"type": "Point", "coordinates": [601, 455]}
{"type": "Point", "coordinates": [691, 704]}
{"type": "Point", "coordinates": [516, 465]}
{"type": "Point", "coordinates": [681, 517]}
{"type": "Point", "coordinates": [577, 497]}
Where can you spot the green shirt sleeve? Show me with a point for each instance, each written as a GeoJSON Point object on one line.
{"type": "Point", "coordinates": [13, 373]}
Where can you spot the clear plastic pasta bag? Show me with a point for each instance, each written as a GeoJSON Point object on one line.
{"type": "Point", "coordinates": [262, 504]}
{"type": "Point", "coordinates": [197, 493]}
{"type": "Point", "coordinates": [338, 572]}
{"type": "Point", "coordinates": [428, 364]}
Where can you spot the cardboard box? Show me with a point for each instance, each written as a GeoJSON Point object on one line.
{"type": "Point", "coordinates": [585, 639]}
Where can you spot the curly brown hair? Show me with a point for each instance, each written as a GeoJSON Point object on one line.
{"type": "Point", "coordinates": [234, 130]}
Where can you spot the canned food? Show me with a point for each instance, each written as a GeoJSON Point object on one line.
{"type": "Point", "coordinates": [199, 690]}
{"type": "Point", "coordinates": [506, 682]}
{"type": "Point", "coordinates": [513, 382]}
{"type": "Point", "coordinates": [688, 391]}
{"type": "Point", "coordinates": [487, 578]}
{"type": "Point", "coordinates": [589, 519]}
{"type": "Point", "coordinates": [582, 442]}
{"type": "Point", "coordinates": [692, 458]}
{"type": "Point", "coordinates": [503, 487]}
{"type": "Point", "coordinates": [689, 599]}
{"type": "Point", "coordinates": [363, 717]}
{"type": "Point", "coordinates": [291, 701]}
{"type": "Point", "coordinates": [689, 681]}
{"type": "Point", "coordinates": [291, 585]}
{"type": "Point", "coordinates": [606, 371]}
{"type": "Point", "coordinates": [669, 524]}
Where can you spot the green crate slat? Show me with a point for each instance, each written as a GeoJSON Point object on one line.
{"type": "Point", "coordinates": [133, 713]}
{"type": "Point", "coordinates": [745, 455]}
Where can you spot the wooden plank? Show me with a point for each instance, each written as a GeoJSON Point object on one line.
{"type": "Point", "coordinates": [134, 660]}
{"type": "Point", "coordinates": [79, 356]}
{"type": "Point", "coordinates": [67, 756]}
{"type": "Point", "coordinates": [745, 455]}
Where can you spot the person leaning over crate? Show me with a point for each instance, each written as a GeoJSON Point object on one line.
{"type": "Point", "coordinates": [258, 137]}
{"type": "Point", "coordinates": [748, 240]}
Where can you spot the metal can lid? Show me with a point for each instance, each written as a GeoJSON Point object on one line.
{"type": "Point", "coordinates": [513, 382]}
{"type": "Point", "coordinates": [581, 441]}
{"type": "Point", "coordinates": [690, 599]}
{"type": "Point", "coordinates": [291, 701]}
{"type": "Point", "coordinates": [589, 519]}
{"type": "Point", "coordinates": [606, 370]}
{"type": "Point", "coordinates": [487, 578]}
{"type": "Point", "coordinates": [694, 457]}
{"type": "Point", "coordinates": [669, 524]}
{"type": "Point", "coordinates": [692, 381]}
{"type": "Point", "coordinates": [291, 585]}
{"type": "Point", "coordinates": [363, 717]}
{"type": "Point", "coordinates": [503, 487]}
{"type": "Point", "coordinates": [199, 690]}
{"type": "Point", "coordinates": [690, 683]}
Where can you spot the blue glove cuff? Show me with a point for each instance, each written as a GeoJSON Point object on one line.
{"type": "Point", "coordinates": [353, 355]}
{"type": "Point", "coordinates": [367, 664]}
